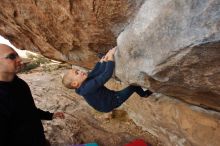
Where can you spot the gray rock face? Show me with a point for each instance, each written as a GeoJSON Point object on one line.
{"type": "Point", "coordinates": [173, 47]}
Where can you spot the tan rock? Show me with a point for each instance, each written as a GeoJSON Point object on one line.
{"type": "Point", "coordinates": [73, 31]}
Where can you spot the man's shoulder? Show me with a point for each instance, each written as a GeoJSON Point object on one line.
{"type": "Point", "coordinates": [4, 97]}
{"type": "Point", "coordinates": [4, 89]}
{"type": "Point", "coordinates": [20, 80]}
{"type": "Point", "coordinates": [3, 93]}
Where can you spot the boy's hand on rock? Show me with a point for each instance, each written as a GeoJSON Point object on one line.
{"type": "Point", "coordinates": [110, 54]}
{"type": "Point", "coordinates": [113, 50]}
{"type": "Point", "coordinates": [104, 59]}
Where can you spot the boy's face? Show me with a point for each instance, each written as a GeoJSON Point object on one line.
{"type": "Point", "coordinates": [78, 75]}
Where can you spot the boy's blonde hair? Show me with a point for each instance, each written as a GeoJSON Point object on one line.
{"type": "Point", "coordinates": [67, 80]}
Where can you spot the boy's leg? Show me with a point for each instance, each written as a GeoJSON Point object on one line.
{"type": "Point", "coordinates": [141, 92]}
{"type": "Point", "coordinates": [124, 94]}
{"type": "Point", "coordinates": [131, 89]}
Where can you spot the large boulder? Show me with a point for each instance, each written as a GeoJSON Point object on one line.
{"type": "Point", "coordinates": [173, 47]}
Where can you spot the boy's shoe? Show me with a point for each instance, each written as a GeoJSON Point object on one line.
{"type": "Point", "coordinates": [147, 93]}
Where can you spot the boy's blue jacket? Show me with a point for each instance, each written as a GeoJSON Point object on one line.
{"type": "Point", "coordinates": [93, 89]}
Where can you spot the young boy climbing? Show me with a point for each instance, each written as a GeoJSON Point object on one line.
{"type": "Point", "coordinates": [91, 85]}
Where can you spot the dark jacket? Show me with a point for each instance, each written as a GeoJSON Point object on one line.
{"type": "Point", "coordinates": [93, 89]}
{"type": "Point", "coordinates": [20, 120]}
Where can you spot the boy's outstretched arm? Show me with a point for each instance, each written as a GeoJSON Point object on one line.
{"type": "Point", "coordinates": [101, 65]}
{"type": "Point", "coordinates": [98, 67]}
{"type": "Point", "coordinates": [104, 76]}
{"type": "Point", "coordinates": [98, 81]}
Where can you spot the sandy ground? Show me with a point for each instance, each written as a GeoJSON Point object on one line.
{"type": "Point", "coordinates": [82, 124]}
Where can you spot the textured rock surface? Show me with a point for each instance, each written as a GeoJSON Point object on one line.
{"type": "Point", "coordinates": [66, 30]}
{"type": "Point", "coordinates": [172, 121]}
{"type": "Point", "coordinates": [169, 46]}
{"type": "Point", "coordinates": [173, 47]}
{"type": "Point", "coordinates": [175, 122]}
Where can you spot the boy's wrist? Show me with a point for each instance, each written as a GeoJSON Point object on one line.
{"type": "Point", "coordinates": [111, 58]}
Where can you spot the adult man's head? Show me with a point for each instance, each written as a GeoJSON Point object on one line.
{"type": "Point", "coordinates": [10, 62]}
{"type": "Point", "coordinates": [73, 78]}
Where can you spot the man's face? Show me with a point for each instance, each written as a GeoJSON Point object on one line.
{"type": "Point", "coordinates": [78, 75]}
{"type": "Point", "coordinates": [10, 62]}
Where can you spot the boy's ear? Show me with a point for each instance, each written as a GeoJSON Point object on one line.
{"type": "Point", "coordinates": [74, 84]}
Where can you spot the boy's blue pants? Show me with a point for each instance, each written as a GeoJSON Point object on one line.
{"type": "Point", "coordinates": [124, 94]}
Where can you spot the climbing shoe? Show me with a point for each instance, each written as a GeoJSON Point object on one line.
{"type": "Point", "coordinates": [147, 93]}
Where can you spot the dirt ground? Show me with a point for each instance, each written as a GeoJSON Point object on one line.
{"type": "Point", "coordinates": [82, 124]}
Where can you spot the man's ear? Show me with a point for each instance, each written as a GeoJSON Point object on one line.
{"type": "Point", "coordinates": [74, 84]}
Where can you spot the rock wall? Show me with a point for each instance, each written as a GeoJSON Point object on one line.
{"type": "Point", "coordinates": [174, 122]}
{"type": "Point", "coordinates": [169, 46]}
{"type": "Point", "coordinates": [172, 47]}
{"type": "Point", "coordinates": [73, 31]}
